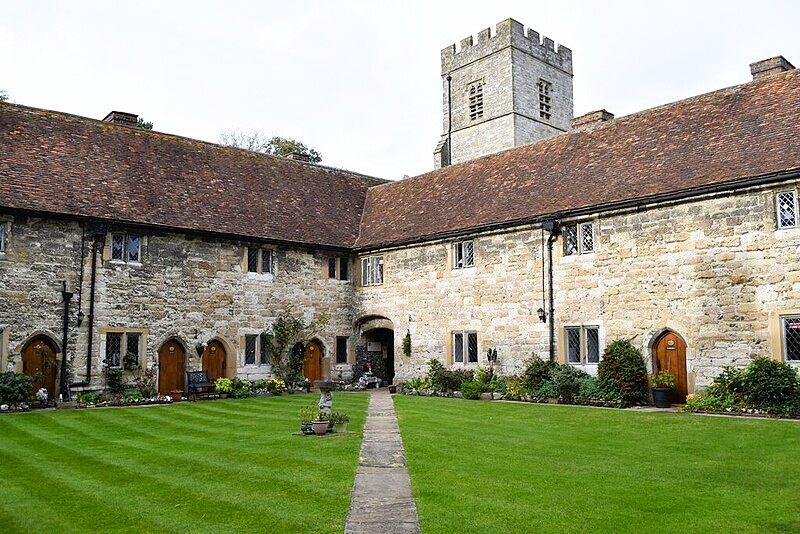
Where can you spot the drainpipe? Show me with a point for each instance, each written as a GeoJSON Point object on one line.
{"type": "Point", "coordinates": [449, 120]}
{"type": "Point", "coordinates": [553, 227]}
{"type": "Point", "coordinates": [63, 388]}
{"type": "Point", "coordinates": [99, 238]}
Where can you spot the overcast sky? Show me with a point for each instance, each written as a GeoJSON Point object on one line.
{"type": "Point", "coordinates": [360, 81]}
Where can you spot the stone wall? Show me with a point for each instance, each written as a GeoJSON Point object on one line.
{"type": "Point", "coordinates": [714, 270]}
{"type": "Point", "coordinates": [189, 288]}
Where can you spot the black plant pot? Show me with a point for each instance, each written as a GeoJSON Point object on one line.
{"type": "Point", "coordinates": [662, 397]}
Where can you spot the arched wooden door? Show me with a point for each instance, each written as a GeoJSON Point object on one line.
{"type": "Point", "coordinates": [171, 367]}
{"type": "Point", "coordinates": [312, 369]}
{"type": "Point", "coordinates": [669, 353]}
{"type": "Point", "coordinates": [39, 362]}
{"type": "Point", "coordinates": [214, 359]}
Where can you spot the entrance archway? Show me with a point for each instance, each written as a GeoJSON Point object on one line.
{"type": "Point", "coordinates": [375, 351]}
{"type": "Point", "coordinates": [669, 354]}
{"type": "Point", "coordinates": [312, 368]}
{"type": "Point", "coordinates": [214, 359]}
{"type": "Point", "coordinates": [39, 362]}
{"type": "Point", "coordinates": [171, 367]}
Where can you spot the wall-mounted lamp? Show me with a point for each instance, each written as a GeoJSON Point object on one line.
{"type": "Point", "coordinates": [542, 315]}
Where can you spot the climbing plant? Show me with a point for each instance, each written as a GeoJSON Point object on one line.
{"type": "Point", "coordinates": [289, 329]}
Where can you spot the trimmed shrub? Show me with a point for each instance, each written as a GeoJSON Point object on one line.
{"type": "Point", "coordinates": [472, 389]}
{"type": "Point", "coordinates": [15, 388]}
{"type": "Point", "coordinates": [622, 372]}
{"type": "Point", "coordinates": [567, 381]}
{"type": "Point", "coordinates": [589, 388]}
{"type": "Point", "coordinates": [536, 372]}
{"type": "Point", "coordinates": [443, 380]}
{"type": "Point", "coordinates": [769, 385]}
{"type": "Point", "coordinates": [547, 389]}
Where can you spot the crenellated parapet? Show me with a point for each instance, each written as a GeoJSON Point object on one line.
{"type": "Point", "coordinates": [508, 33]}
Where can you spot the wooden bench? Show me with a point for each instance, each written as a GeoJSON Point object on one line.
{"type": "Point", "coordinates": [197, 383]}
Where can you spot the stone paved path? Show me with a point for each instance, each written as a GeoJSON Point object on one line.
{"type": "Point", "coordinates": [381, 500]}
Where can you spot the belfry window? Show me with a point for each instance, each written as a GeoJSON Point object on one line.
{"type": "Point", "coordinates": [545, 99]}
{"type": "Point", "coordinates": [475, 91]}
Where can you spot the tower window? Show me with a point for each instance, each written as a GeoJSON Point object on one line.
{"type": "Point", "coordinates": [475, 101]}
{"type": "Point", "coordinates": [545, 99]}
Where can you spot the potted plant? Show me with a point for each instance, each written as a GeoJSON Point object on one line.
{"type": "Point", "coordinates": [340, 421]}
{"type": "Point", "coordinates": [662, 384]}
{"type": "Point", "coordinates": [308, 414]}
{"type": "Point", "coordinates": [223, 386]}
{"type": "Point", "coordinates": [321, 424]}
{"type": "Point", "coordinates": [176, 395]}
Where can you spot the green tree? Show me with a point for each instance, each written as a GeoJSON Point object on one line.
{"type": "Point", "coordinates": [3, 96]}
{"type": "Point", "coordinates": [288, 330]}
{"type": "Point", "coordinates": [144, 125]}
{"type": "Point", "coordinates": [256, 141]}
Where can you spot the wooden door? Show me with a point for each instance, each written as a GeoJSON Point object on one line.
{"type": "Point", "coordinates": [669, 353]}
{"type": "Point", "coordinates": [313, 364]}
{"type": "Point", "coordinates": [39, 362]}
{"type": "Point", "coordinates": [214, 360]}
{"type": "Point", "coordinates": [171, 367]}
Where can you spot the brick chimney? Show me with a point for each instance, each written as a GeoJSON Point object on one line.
{"type": "Point", "coordinates": [773, 65]}
{"type": "Point", "coordinates": [122, 119]}
{"type": "Point", "coordinates": [591, 120]}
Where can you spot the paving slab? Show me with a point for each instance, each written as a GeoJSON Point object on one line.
{"type": "Point", "coordinates": [381, 501]}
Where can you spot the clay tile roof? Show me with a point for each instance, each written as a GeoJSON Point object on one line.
{"type": "Point", "coordinates": [722, 137]}
{"type": "Point", "coordinates": [63, 164]}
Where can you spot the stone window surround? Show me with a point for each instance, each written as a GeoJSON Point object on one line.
{"type": "Point", "coordinates": [260, 272]}
{"type": "Point", "coordinates": [340, 260]}
{"type": "Point", "coordinates": [241, 353]}
{"type": "Point", "coordinates": [107, 249]}
{"type": "Point", "coordinates": [346, 350]}
{"type": "Point", "coordinates": [777, 209]}
{"type": "Point", "coordinates": [462, 245]}
{"type": "Point", "coordinates": [143, 332]}
{"type": "Point", "coordinates": [579, 234]}
{"type": "Point", "coordinates": [591, 368]}
{"type": "Point", "coordinates": [125, 236]}
{"type": "Point", "coordinates": [373, 260]}
{"type": "Point", "coordinates": [451, 351]}
{"type": "Point", "coordinates": [776, 336]}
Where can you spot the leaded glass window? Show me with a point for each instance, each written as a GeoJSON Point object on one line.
{"type": "Point", "coordinates": [134, 249]}
{"type": "Point", "coordinates": [582, 344]}
{"type": "Point", "coordinates": [250, 342]}
{"type": "Point", "coordinates": [118, 247]}
{"type": "Point", "coordinates": [587, 238]}
{"type": "Point", "coordinates": [472, 347]}
{"type": "Point", "coordinates": [465, 346]}
{"type": "Point", "coordinates": [574, 345]}
{"type": "Point", "coordinates": [114, 349]}
{"type": "Point", "coordinates": [265, 348]}
{"type": "Point", "coordinates": [791, 339]}
{"type": "Point", "coordinates": [332, 267]}
{"type": "Point", "coordinates": [458, 347]}
{"type": "Point", "coordinates": [2, 237]}
{"type": "Point", "coordinates": [592, 345]}
{"type": "Point", "coordinates": [463, 254]}
{"type": "Point", "coordinates": [372, 271]}
{"type": "Point", "coordinates": [786, 204]}
{"type": "Point", "coordinates": [252, 259]}
{"type": "Point", "coordinates": [570, 240]}
{"type": "Point", "coordinates": [545, 99]}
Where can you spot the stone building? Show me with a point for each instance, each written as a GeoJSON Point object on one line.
{"type": "Point", "coordinates": [676, 227]}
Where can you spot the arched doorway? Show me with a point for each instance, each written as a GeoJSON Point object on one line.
{"type": "Point", "coordinates": [39, 362]}
{"type": "Point", "coordinates": [214, 360]}
{"type": "Point", "coordinates": [171, 367]}
{"type": "Point", "coordinates": [312, 368]}
{"type": "Point", "coordinates": [375, 351]}
{"type": "Point", "coordinates": [669, 353]}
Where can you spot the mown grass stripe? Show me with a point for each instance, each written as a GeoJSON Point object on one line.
{"type": "Point", "coordinates": [259, 478]}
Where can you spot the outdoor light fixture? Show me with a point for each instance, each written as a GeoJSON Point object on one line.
{"type": "Point", "coordinates": [200, 348]}
{"type": "Point", "coordinates": [542, 315]}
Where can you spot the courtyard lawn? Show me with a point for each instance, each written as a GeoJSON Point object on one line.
{"type": "Point", "coordinates": [503, 467]}
{"type": "Point", "coordinates": [221, 466]}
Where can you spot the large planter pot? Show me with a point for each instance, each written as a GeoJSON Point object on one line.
{"type": "Point", "coordinates": [306, 428]}
{"type": "Point", "coordinates": [223, 395]}
{"type": "Point", "coordinates": [176, 395]}
{"type": "Point", "coordinates": [320, 427]}
{"type": "Point", "coordinates": [662, 397]}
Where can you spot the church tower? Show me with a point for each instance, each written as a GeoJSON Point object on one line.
{"type": "Point", "coordinates": [506, 90]}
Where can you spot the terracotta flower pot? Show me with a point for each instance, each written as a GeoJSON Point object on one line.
{"type": "Point", "coordinates": [320, 427]}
